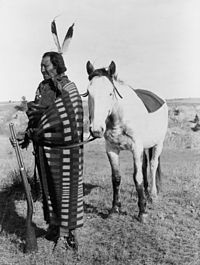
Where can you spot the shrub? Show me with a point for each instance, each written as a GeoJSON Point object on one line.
{"type": "Point", "coordinates": [23, 105]}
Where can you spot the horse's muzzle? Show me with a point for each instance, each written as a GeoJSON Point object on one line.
{"type": "Point", "coordinates": [97, 133]}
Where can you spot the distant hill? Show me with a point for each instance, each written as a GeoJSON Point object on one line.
{"type": "Point", "coordinates": [9, 102]}
{"type": "Point", "coordinates": [183, 101]}
{"type": "Point", "coordinates": [170, 101]}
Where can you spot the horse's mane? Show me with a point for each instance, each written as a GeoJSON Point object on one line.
{"type": "Point", "coordinates": [99, 72]}
{"type": "Point", "coordinates": [104, 72]}
{"type": "Point", "coordinates": [121, 82]}
{"type": "Point", "coordinates": [116, 78]}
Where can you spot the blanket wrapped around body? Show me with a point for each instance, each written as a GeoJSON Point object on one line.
{"type": "Point", "coordinates": [61, 168]}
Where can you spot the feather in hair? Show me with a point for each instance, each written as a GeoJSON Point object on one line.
{"type": "Point", "coordinates": [67, 38]}
{"type": "Point", "coordinates": [55, 35]}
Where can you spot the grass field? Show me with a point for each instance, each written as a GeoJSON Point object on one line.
{"type": "Point", "coordinates": [171, 235]}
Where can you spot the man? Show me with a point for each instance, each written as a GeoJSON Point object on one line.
{"type": "Point", "coordinates": [55, 121]}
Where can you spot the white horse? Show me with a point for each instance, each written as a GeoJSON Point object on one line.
{"type": "Point", "coordinates": [117, 113]}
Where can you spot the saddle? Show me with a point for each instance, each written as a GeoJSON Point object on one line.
{"type": "Point", "coordinates": [151, 101]}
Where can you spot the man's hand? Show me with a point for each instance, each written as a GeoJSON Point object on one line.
{"type": "Point", "coordinates": [22, 139]}
{"type": "Point", "coordinates": [25, 142]}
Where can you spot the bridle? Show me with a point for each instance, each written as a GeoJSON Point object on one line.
{"type": "Point", "coordinates": [102, 72]}
{"type": "Point", "coordinates": [115, 90]}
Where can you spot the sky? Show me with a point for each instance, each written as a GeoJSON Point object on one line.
{"type": "Point", "coordinates": [154, 43]}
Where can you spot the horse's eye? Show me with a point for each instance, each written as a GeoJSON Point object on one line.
{"type": "Point", "coordinates": [111, 94]}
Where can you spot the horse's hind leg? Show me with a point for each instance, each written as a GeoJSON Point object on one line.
{"type": "Point", "coordinates": [113, 156]}
{"type": "Point", "coordinates": [155, 170]}
{"type": "Point", "coordinates": [158, 177]}
{"type": "Point", "coordinates": [138, 179]}
{"type": "Point", "coordinates": [145, 174]}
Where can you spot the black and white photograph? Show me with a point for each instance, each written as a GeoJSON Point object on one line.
{"type": "Point", "coordinates": [100, 132]}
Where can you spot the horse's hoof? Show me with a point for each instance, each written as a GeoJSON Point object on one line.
{"type": "Point", "coordinates": [115, 209]}
{"type": "Point", "coordinates": [148, 197]}
{"type": "Point", "coordinates": [142, 218]}
{"type": "Point", "coordinates": [154, 198]}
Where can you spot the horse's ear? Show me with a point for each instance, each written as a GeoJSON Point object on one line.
{"type": "Point", "coordinates": [90, 68]}
{"type": "Point", "coordinates": [112, 69]}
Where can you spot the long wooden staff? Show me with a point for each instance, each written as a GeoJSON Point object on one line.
{"type": "Point", "coordinates": [31, 241]}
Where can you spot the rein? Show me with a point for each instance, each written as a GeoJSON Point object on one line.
{"type": "Point", "coordinates": [65, 146]}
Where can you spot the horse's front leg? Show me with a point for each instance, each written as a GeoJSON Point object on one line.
{"type": "Point", "coordinates": [138, 179]}
{"type": "Point", "coordinates": [113, 156]}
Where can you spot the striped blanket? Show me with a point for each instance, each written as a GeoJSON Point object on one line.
{"type": "Point", "coordinates": [61, 168]}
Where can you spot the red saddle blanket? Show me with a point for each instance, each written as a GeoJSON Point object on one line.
{"type": "Point", "coordinates": [151, 101]}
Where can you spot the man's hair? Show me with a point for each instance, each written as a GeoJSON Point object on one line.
{"type": "Point", "coordinates": [57, 61]}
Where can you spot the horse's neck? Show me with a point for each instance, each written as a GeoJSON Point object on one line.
{"type": "Point", "coordinates": [116, 112]}
{"type": "Point", "coordinates": [129, 98]}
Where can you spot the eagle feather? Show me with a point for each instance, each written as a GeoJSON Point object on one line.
{"type": "Point", "coordinates": [67, 38]}
{"type": "Point", "coordinates": [55, 35]}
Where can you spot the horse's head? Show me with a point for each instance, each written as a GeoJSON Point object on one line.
{"type": "Point", "coordinates": [101, 96]}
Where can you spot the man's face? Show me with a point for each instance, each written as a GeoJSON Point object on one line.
{"type": "Point", "coordinates": [47, 68]}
